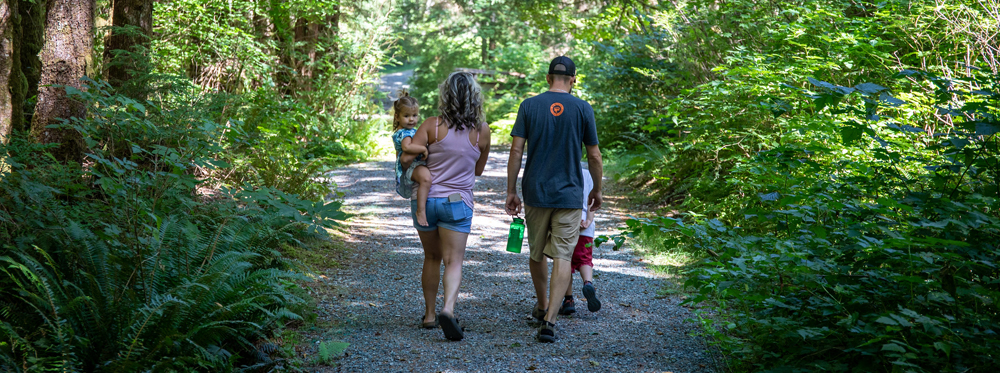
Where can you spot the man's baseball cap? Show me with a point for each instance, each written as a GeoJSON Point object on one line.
{"type": "Point", "coordinates": [569, 66]}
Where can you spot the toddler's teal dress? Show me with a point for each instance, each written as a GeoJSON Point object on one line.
{"type": "Point", "coordinates": [404, 183]}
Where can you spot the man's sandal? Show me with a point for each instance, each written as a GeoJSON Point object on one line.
{"type": "Point", "coordinates": [547, 332]}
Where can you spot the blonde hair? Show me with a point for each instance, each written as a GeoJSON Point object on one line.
{"type": "Point", "coordinates": [404, 101]}
{"type": "Point", "coordinates": [461, 101]}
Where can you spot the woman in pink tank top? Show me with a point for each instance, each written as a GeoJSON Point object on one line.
{"type": "Point", "coordinates": [458, 143]}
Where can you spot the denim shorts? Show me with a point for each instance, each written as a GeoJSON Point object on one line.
{"type": "Point", "coordinates": [454, 216]}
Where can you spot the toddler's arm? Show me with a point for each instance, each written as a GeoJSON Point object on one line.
{"type": "Point", "coordinates": [590, 217]}
{"type": "Point", "coordinates": [412, 147]}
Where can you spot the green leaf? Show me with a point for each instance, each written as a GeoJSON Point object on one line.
{"type": "Point", "coordinates": [886, 320]}
{"type": "Point", "coordinates": [893, 347]}
{"type": "Point", "coordinates": [850, 135]}
{"type": "Point", "coordinates": [986, 129]}
{"type": "Point", "coordinates": [944, 347]}
{"type": "Point", "coordinates": [870, 88]}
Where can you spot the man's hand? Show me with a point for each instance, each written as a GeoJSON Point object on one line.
{"type": "Point", "coordinates": [595, 199]}
{"type": "Point", "coordinates": [513, 205]}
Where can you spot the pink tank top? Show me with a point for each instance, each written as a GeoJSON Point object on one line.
{"type": "Point", "coordinates": [452, 162]}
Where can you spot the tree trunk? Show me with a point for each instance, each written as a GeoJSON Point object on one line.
{"type": "Point", "coordinates": [8, 13]}
{"type": "Point", "coordinates": [284, 38]}
{"type": "Point", "coordinates": [306, 35]}
{"type": "Point", "coordinates": [65, 57]}
{"type": "Point", "coordinates": [30, 43]}
{"type": "Point", "coordinates": [126, 50]}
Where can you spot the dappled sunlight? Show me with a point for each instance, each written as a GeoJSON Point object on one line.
{"type": "Point", "coordinates": [621, 267]}
{"type": "Point", "coordinates": [510, 274]}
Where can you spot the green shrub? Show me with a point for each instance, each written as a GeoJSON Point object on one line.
{"type": "Point", "coordinates": [885, 262]}
{"type": "Point", "coordinates": [127, 263]}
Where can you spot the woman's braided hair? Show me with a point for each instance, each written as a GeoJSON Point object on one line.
{"type": "Point", "coordinates": [461, 101]}
{"type": "Point", "coordinates": [404, 101]}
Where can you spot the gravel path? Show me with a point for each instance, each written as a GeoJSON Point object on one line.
{"type": "Point", "coordinates": [391, 83]}
{"type": "Point", "coordinates": [374, 302]}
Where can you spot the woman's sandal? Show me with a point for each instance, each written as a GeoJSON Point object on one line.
{"type": "Point", "coordinates": [429, 325]}
{"type": "Point", "coordinates": [449, 324]}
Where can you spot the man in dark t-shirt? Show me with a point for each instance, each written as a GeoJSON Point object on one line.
{"type": "Point", "coordinates": [554, 124]}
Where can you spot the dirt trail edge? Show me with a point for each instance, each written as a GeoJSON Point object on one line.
{"type": "Point", "coordinates": [373, 300]}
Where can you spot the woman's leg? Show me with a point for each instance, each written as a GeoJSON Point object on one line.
{"type": "Point", "coordinates": [431, 274]}
{"type": "Point", "coordinates": [453, 253]}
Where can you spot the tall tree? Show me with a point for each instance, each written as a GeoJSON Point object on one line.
{"type": "Point", "coordinates": [126, 49]}
{"type": "Point", "coordinates": [65, 56]}
{"type": "Point", "coordinates": [29, 39]}
{"type": "Point", "coordinates": [7, 16]}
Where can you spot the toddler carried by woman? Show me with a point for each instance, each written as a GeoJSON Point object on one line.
{"type": "Point", "coordinates": [406, 115]}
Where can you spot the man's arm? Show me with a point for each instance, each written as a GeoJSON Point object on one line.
{"type": "Point", "coordinates": [513, 205]}
{"type": "Point", "coordinates": [596, 166]}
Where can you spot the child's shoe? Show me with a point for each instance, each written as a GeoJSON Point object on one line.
{"type": "Point", "coordinates": [568, 306]}
{"type": "Point", "coordinates": [593, 304]}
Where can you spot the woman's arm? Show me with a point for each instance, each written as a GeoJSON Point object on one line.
{"type": "Point", "coordinates": [484, 148]}
{"type": "Point", "coordinates": [423, 135]}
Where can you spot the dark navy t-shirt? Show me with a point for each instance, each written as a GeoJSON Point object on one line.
{"type": "Point", "coordinates": [556, 126]}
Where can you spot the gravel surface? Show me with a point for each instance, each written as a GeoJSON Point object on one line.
{"type": "Point", "coordinates": [373, 299]}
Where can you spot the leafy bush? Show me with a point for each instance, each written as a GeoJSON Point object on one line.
{"type": "Point", "coordinates": [878, 263]}
{"type": "Point", "coordinates": [128, 262]}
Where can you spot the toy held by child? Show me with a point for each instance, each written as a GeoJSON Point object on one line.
{"type": "Point", "coordinates": [406, 116]}
{"type": "Point", "coordinates": [583, 255]}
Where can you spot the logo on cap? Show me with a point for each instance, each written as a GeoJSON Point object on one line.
{"type": "Point", "coordinates": [556, 109]}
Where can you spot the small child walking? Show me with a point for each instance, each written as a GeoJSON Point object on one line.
{"type": "Point", "coordinates": [583, 255]}
{"type": "Point", "coordinates": [406, 115]}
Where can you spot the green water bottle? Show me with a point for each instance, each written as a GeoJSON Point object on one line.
{"type": "Point", "coordinates": [516, 237]}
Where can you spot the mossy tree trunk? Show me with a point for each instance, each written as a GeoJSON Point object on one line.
{"type": "Point", "coordinates": [126, 51]}
{"type": "Point", "coordinates": [65, 56]}
{"type": "Point", "coordinates": [22, 39]}
{"type": "Point", "coordinates": [306, 36]}
{"type": "Point", "coordinates": [32, 36]}
{"type": "Point", "coordinates": [8, 13]}
{"type": "Point", "coordinates": [284, 40]}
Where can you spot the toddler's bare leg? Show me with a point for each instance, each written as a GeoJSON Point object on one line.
{"type": "Point", "coordinates": [587, 273]}
{"type": "Point", "coordinates": [422, 176]}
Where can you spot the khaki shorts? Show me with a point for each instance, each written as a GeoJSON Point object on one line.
{"type": "Point", "coordinates": [552, 232]}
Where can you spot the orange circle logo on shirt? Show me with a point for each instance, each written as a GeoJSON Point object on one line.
{"type": "Point", "coordinates": [556, 109]}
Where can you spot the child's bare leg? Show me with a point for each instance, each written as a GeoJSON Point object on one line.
{"type": "Point", "coordinates": [587, 273]}
{"type": "Point", "coordinates": [422, 176]}
{"type": "Point", "coordinates": [405, 160]}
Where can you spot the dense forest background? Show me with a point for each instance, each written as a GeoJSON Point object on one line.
{"type": "Point", "coordinates": [820, 174]}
